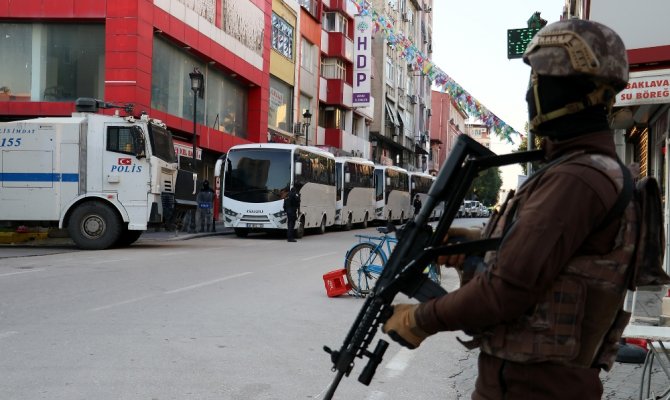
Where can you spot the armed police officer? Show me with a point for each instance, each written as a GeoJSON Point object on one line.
{"type": "Point", "coordinates": [291, 207]}
{"type": "Point", "coordinates": [546, 312]}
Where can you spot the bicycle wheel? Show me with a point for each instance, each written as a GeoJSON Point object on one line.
{"type": "Point", "coordinates": [364, 264]}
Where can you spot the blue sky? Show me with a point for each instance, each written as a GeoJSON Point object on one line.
{"type": "Point", "coordinates": [470, 45]}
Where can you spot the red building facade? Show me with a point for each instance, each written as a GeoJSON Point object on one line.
{"type": "Point", "coordinates": [141, 52]}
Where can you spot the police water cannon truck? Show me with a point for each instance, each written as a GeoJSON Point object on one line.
{"type": "Point", "coordinates": [104, 178]}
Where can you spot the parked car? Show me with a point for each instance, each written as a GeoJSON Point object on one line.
{"type": "Point", "coordinates": [483, 211]}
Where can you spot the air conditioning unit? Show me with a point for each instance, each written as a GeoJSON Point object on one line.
{"type": "Point", "coordinates": [412, 99]}
{"type": "Point", "coordinates": [297, 129]}
{"type": "Point", "coordinates": [405, 17]}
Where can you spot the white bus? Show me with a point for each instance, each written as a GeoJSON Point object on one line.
{"type": "Point", "coordinates": [392, 194]}
{"type": "Point", "coordinates": [257, 177]}
{"type": "Point", "coordinates": [355, 192]}
{"type": "Point", "coordinates": [420, 184]}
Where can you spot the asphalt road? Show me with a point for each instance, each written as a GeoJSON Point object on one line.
{"type": "Point", "coordinates": [214, 317]}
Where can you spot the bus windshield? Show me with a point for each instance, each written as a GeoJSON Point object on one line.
{"type": "Point", "coordinates": [257, 175]}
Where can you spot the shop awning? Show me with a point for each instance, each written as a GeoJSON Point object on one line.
{"type": "Point", "coordinates": [401, 119]}
{"type": "Point", "coordinates": [391, 115]}
{"type": "Point", "coordinates": [419, 150]}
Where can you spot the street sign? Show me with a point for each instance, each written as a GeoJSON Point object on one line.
{"type": "Point", "coordinates": [517, 41]}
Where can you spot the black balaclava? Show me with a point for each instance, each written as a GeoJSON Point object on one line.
{"type": "Point", "coordinates": [555, 93]}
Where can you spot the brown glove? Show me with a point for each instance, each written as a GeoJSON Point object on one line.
{"type": "Point", "coordinates": [458, 234]}
{"type": "Point", "coordinates": [402, 326]}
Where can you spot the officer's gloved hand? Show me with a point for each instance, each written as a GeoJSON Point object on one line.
{"type": "Point", "coordinates": [457, 235]}
{"type": "Point", "coordinates": [402, 326]}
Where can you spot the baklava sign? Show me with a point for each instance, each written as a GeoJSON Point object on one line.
{"type": "Point", "coordinates": [362, 60]}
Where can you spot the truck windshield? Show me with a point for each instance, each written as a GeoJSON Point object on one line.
{"type": "Point", "coordinates": [161, 143]}
{"type": "Point", "coordinates": [257, 175]}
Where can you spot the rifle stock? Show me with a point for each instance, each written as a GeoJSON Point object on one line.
{"type": "Point", "coordinates": [418, 245]}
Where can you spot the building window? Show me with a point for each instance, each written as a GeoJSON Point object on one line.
{"type": "Point", "coordinates": [226, 101]}
{"type": "Point", "coordinates": [335, 22]}
{"type": "Point", "coordinates": [310, 6]}
{"type": "Point", "coordinates": [282, 36]}
{"type": "Point", "coordinates": [226, 105]}
{"type": "Point", "coordinates": [280, 115]}
{"type": "Point", "coordinates": [170, 85]}
{"type": "Point", "coordinates": [389, 71]}
{"type": "Point", "coordinates": [307, 55]}
{"type": "Point", "coordinates": [332, 118]}
{"type": "Point", "coordinates": [51, 62]}
{"type": "Point", "coordinates": [333, 68]}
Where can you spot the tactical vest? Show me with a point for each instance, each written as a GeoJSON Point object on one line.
{"type": "Point", "coordinates": [580, 319]}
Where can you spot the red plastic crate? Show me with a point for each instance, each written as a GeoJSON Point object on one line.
{"type": "Point", "coordinates": [336, 282]}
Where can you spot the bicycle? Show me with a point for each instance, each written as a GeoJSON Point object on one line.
{"type": "Point", "coordinates": [366, 259]}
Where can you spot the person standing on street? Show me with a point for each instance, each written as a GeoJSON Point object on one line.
{"type": "Point", "coordinates": [417, 204]}
{"type": "Point", "coordinates": [291, 207]}
{"type": "Point", "coordinates": [547, 310]}
{"type": "Point", "coordinates": [205, 200]}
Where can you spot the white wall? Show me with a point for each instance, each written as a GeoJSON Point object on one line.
{"type": "Point", "coordinates": [640, 24]}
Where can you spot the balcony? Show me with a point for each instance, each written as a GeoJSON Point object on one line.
{"type": "Point", "coordinates": [338, 45]}
{"type": "Point", "coordinates": [338, 92]}
{"type": "Point", "coordinates": [342, 6]}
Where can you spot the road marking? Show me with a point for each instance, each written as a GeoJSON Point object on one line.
{"type": "Point", "coordinates": [22, 272]}
{"type": "Point", "coordinates": [399, 362]}
{"type": "Point", "coordinates": [120, 303]}
{"type": "Point", "coordinates": [199, 285]}
{"type": "Point", "coordinates": [318, 256]}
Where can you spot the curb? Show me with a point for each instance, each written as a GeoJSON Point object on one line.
{"type": "Point", "coordinates": [16, 237]}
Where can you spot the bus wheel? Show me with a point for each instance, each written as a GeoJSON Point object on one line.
{"type": "Point", "coordinates": [241, 232]}
{"type": "Point", "coordinates": [322, 228]}
{"type": "Point", "coordinates": [300, 227]}
{"type": "Point", "coordinates": [364, 224]}
{"type": "Point", "coordinates": [348, 225]}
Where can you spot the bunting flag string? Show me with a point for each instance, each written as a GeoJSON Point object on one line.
{"type": "Point", "coordinates": [418, 61]}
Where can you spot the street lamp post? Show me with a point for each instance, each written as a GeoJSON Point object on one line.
{"type": "Point", "coordinates": [307, 120]}
{"type": "Point", "coordinates": [198, 90]}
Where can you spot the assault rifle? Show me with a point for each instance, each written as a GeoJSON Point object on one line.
{"type": "Point", "coordinates": [418, 245]}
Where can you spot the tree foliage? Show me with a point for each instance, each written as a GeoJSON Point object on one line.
{"type": "Point", "coordinates": [486, 186]}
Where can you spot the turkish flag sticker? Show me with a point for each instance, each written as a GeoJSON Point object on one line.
{"type": "Point", "coordinates": [125, 161]}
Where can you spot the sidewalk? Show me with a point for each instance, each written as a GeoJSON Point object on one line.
{"type": "Point", "coordinates": [162, 234]}
{"type": "Point", "coordinates": [60, 238]}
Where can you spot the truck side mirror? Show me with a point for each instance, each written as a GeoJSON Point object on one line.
{"type": "Point", "coordinates": [347, 177]}
{"type": "Point", "coordinates": [139, 142]}
{"type": "Point", "coordinates": [298, 168]}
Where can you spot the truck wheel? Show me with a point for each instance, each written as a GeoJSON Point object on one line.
{"type": "Point", "coordinates": [128, 237]}
{"type": "Point", "coordinates": [94, 226]}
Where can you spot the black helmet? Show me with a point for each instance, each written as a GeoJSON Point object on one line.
{"type": "Point", "coordinates": [205, 184]}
